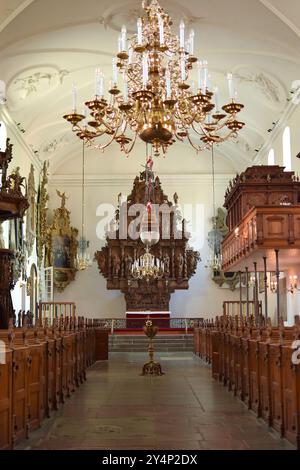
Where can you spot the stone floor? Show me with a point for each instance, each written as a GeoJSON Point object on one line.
{"type": "Point", "coordinates": [184, 409]}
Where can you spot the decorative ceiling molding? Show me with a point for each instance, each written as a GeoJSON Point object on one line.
{"type": "Point", "coordinates": [125, 180]}
{"type": "Point", "coordinates": [18, 136]}
{"type": "Point", "coordinates": [14, 13]}
{"type": "Point", "coordinates": [37, 80]}
{"type": "Point", "coordinates": [268, 85]}
{"type": "Point", "coordinates": [126, 12]}
{"type": "Point", "coordinates": [281, 16]}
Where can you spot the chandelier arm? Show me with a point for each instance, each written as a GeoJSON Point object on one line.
{"type": "Point", "coordinates": [199, 148]}
{"type": "Point", "coordinates": [180, 139]}
{"type": "Point", "coordinates": [196, 147]}
{"type": "Point", "coordinates": [204, 131]}
{"type": "Point", "coordinates": [108, 127]}
{"type": "Point", "coordinates": [223, 124]}
{"type": "Point", "coordinates": [127, 152]}
{"type": "Point", "coordinates": [186, 121]}
{"type": "Point", "coordinates": [104, 146]}
{"type": "Point", "coordinates": [200, 133]}
{"type": "Point", "coordinates": [228, 136]}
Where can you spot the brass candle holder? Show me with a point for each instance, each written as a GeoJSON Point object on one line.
{"type": "Point", "coordinates": [151, 367]}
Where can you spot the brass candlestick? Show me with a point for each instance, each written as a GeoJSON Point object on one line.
{"type": "Point", "coordinates": [151, 367]}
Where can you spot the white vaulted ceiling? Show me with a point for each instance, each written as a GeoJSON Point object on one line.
{"type": "Point", "coordinates": [46, 45]}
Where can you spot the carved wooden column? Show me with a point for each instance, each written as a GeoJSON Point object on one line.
{"type": "Point", "coordinates": [109, 264]}
{"type": "Point", "coordinates": [6, 284]}
{"type": "Point", "coordinates": [256, 293]}
{"type": "Point", "coordinates": [173, 274]}
{"type": "Point", "coordinates": [277, 280]}
{"type": "Point", "coordinates": [241, 295]}
{"type": "Point", "coordinates": [247, 291]}
{"type": "Point", "coordinates": [266, 286]}
{"type": "Point", "coordinates": [122, 262]}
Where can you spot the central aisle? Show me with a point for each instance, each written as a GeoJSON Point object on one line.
{"type": "Point", "coordinates": [185, 409]}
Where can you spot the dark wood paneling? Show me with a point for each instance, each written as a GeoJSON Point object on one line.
{"type": "Point", "coordinates": [101, 349]}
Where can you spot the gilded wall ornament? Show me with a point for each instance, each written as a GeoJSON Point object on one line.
{"type": "Point", "coordinates": [31, 214]}
{"type": "Point", "coordinates": [61, 246]}
{"type": "Point", "coordinates": [42, 202]}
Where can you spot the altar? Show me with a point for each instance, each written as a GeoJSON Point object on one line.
{"type": "Point", "coordinates": [138, 319]}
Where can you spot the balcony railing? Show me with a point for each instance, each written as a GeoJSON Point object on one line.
{"type": "Point", "coordinates": [264, 227]}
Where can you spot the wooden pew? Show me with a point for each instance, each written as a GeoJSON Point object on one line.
{"type": "Point", "coordinates": [35, 380]}
{"type": "Point", "coordinates": [254, 362]}
{"type": "Point", "coordinates": [6, 390]}
{"type": "Point", "coordinates": [21, 362]}
{"type": "Point", "coordinates": [43, 366]}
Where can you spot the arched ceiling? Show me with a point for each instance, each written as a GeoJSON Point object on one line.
{"type": "Point", "coordinates": [45, 46]}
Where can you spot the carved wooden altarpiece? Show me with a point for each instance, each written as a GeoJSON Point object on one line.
{"type": "Point", "coordinates": [116, 258]}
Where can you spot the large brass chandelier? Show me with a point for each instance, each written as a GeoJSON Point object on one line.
{"type": "Point", "coordinates": [147, 267]}
{"type": "Point", "coordinates": [159, 101]}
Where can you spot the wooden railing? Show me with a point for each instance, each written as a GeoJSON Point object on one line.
{"type": "Point", "coordinates": [39, 369]}
{"type": "Point", "coordinates": [265, 227]}
{"type": "Point", "coordinates": [54, 310]}
{"type": "Point", "coordinates": [232, 308]}
{"type": "Point", "coordinates": [255, 363]}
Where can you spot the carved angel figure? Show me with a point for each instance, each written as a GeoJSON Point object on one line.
{"type": "Point", "coordinates": [17, 181]}
{"type": "Point", "coordinates": [63, 198]}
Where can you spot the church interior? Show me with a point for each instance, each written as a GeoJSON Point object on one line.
{"type": "Point", "coordinates": [149, 225]}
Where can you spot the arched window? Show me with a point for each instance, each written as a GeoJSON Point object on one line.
{"type": "Point", "coordinates": [271, 157]}
{"type": "Point", "coordinates": [3, 136]}
{"type": "Point", "coordinates": [286, 146]}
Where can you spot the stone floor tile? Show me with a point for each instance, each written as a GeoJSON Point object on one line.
{"type": "Point", "coordinates": [117, 408]}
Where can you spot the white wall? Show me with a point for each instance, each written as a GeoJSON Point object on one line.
{"type": "Point", "coordinates": [204, 298]}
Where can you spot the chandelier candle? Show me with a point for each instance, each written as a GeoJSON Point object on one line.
{"type": "Point", "coordinates": [74, 97]}
{"type": "Point", "coordinates": [98, 83]}
{"type": "Point", "coordinates": [145, 70]}
{"type": "Point", "coordinates": [139, 32]}
{"type": "Point", "coordinates": [181, 34]}
{"type": "Point", "coordinates": [205, 76]}
{"type": "Point", "coordinates": [161, 30]}
{"type": "Point", "coordinates": [115, 72]}
{"type": "Point", "coordinates": [125, 91]}
{"type": "Point", "coordinates": [123, 39]}
{"type": "Point", "coordinates": [191, 42]}
{"type": "Point", "coordinates": [182, 66]}
{"type": "Point", "coordinates": [168, 84]}
{"type": "Point", "coordinates": [231, 86]}
{"type": "Point", "coordinates": [156, 102]}
{"type": "Point", "coordinates": [216, 92]}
